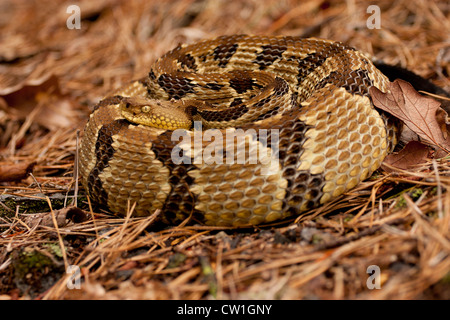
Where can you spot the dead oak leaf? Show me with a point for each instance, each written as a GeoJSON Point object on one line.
{"type": "Point", "coordinates": [412, 154]}
{"type": "Point", "coordinates": [42, 101]}
{"type": "Point", "coordinates": [61, 216]}
{"type": "Point", "coordinates": [15, 171]}
{"type": "Point", "coordinates": [421, 114]}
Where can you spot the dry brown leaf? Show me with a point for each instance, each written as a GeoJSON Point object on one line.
{"type": "Point", "coordinates": [56, 109]}
{"type": "Point", "coordinates": [411, 155]}
{"type": "Point", "coordinates": [421, 114]}
{"type": "Point", "coordinates": [45, 219]}
{"type": "Point", "coordinates": [15, 171]}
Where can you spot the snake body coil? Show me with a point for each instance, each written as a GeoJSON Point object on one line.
{"type": "Point", "coordinates": [303, 102]}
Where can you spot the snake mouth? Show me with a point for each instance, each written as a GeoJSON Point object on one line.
{"type": "Point", "coordinates": [154, 113]}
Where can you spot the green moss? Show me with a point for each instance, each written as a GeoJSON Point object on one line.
{"type": "Point", "coordinates": [35, 271]}
{"type": "Point", "coordinates": [209, 276]}
{"type": "Point", "coordinates": [433, 191]}
{"type": "Point", "coordinates": [31, 261]}
{"type": "Point", "coordinates": [55, 249]}
{"type": "Point", "coordinates": [401, 202]}
{"type": "Point", "coordinates": [446, 279]}
{"type": "Point", "coordinates": [176, 260]}
{"type": "Point", "coordinates": [416, 193]}
{"type": "Point", "coordinates": [35, 205]}
{"type": "Point", "coordinates": [316, 239]}
{"type": "Point", "coordinates": [348, 217]}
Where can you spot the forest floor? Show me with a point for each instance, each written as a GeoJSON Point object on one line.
{"type": "Point", "coordinates": [389, 238]}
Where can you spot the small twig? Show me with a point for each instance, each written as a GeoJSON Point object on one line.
{"type": "Point", "coordinates": [75, 169]}
{"type": "Point", "coordinates": [38, 184]}
{"type": "Point", "coordinates": [61, 243]}
{"type": "Point", "coordinates": [439, 190]}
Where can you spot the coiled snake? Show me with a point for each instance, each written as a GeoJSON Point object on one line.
{"type": "Point", "coordinates": [184, 138]}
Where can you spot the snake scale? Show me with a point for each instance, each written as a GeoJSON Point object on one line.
{"type": "Point", "coordinates": [183, 138]}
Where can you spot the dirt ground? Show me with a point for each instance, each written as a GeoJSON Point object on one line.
{"type": "Point", "coordinates": [389, 238]}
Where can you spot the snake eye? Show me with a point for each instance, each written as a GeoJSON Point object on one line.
{"type": "Point", "coordinates": [145, 109]}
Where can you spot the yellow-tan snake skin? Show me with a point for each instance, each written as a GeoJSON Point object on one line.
{"type": "Point", "coordinates": [304, 103]}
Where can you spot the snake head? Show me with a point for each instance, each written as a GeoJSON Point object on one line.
{"type": "Point", "coordinates": [136, 106]}
{"type": "Point", "coordinates": [155, 113]}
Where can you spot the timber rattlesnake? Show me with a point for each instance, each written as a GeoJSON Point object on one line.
{"type": "Point", "coordinates": [305, 102]}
